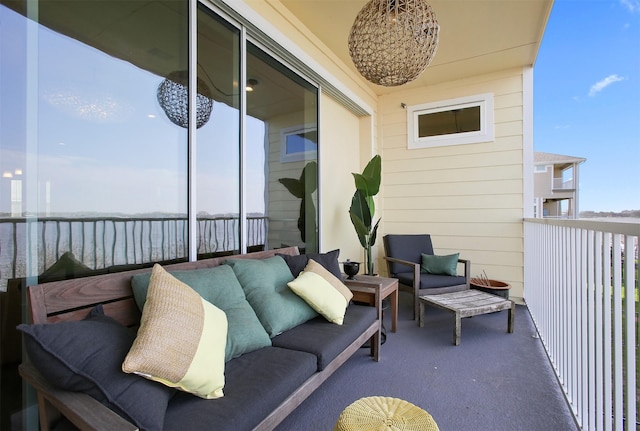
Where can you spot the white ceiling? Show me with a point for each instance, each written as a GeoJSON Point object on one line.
{"type": "Point", "coordinates": [476, 36]}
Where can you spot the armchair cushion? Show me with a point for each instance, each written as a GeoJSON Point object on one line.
{"type": "Point", "coordinates": [406, 247]}
{"type": "Point", "coordinates": [430, 281]}
{"type": "Point", "coordinates": [444, 265]}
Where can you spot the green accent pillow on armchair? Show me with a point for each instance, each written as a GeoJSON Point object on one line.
{"type": "Point", "coordinates": [440, 265]}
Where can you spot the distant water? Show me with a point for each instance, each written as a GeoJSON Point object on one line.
{"type": "Point", "coordinates": [103, 243]}
{"type": "Point", "coordinates": [614, 219]}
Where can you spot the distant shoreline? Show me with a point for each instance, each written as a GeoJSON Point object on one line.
{"type": "Point", "coordinates": [613, 219]}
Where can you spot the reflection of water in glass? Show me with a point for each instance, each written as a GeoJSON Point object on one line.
{"type": "Point", "coordinates": [104, 242]}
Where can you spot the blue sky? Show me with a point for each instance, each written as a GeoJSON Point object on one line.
{"type": "Point", "coordinates": [587, 97]}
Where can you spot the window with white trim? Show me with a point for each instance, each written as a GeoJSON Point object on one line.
{"type": "Point", "coordinates": [464, 120]}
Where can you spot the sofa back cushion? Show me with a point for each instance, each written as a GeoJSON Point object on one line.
{"type": "Point", "coordinates": [264, 282]}
{"type": "Point", "coordinates": [328, 260]}
{"type": "Point", "coordinates": [219, 286]}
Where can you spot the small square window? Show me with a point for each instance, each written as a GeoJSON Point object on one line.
{"type": "Point", "coordinates": [298, 143]}
{"type": "Point", "coordinates": [451, 122]}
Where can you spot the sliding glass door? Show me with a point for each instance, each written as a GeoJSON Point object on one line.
{"type": "Point", "coordinates": [98, 169]}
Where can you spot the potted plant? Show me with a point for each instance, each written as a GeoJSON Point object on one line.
{"type": "Point", "coordinates": [362, 210]}
{"type": "Point", "coordinates": [303, 188]}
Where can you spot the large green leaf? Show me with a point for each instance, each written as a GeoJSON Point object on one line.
{"type": "Point", "coordinates": [295, 187]}
{"type": "Point", "coordinates": [374, 234]}
{"type": "Point", "coordinates": [373, 174]}
{"type": "Point", "coordinates": [310, 177]}
{"type": "Point", "coordinates": [361, 230]}
{"type": "Point", "coordinates": [360, 209]}
{"type": "Point", "coordinates": [362, 183]}
{"type": "Point", "coordinates": [368, 182]}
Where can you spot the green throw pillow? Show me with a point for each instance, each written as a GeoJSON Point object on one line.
{"type": "Point", "coordinates": [219, 286]}
{"type": "Point", "coordinates": [265, 284]}
{"type": "Point", "coordinates": [442, 265]}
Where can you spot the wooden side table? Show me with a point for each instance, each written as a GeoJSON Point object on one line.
{"type": "Point", "coordinates": [373, 289]}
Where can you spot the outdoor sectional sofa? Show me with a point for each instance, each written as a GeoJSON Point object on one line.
{"type": "Point", "coordinates": [83, 329]}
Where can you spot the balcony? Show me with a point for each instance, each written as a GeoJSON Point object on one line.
{"type": "Point", "coordinates": [560, 184]}
{"type": "Point", "coordinates": [581, 292]}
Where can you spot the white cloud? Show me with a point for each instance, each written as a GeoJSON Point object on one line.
{"type": "Point", "coordinates": [632, 5]}
{"type": "Point", "coordinates": [604, 83]}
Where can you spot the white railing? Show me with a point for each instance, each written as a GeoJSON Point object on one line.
{"type": "Point", "coordinates": [560, 184]}
{"type": "Point", "coordinates": [581, 287]}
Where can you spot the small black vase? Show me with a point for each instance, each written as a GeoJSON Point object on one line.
{"type": "Point", "coordinates": [351, 269]}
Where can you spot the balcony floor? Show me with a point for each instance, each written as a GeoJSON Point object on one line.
{"type": "Point", "coordinates": [491, 381]}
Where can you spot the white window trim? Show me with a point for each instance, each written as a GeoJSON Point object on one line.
{"type": "Point", "coordinates": [485, 134]}
{"type": "Point", "coordinates": [297, 156]}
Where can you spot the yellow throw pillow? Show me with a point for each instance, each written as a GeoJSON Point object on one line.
{"type": "Point", "coordinates": [314, 266]}
{"type": "Point", "coordinates": [181, 340]}
{"type": "Point", "coordinates": [320, 295]}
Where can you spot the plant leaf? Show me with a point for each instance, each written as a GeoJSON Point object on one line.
{"type": "Point", "coordinates": [374, 234]}
{"type": "Point", "coordinates": [362, 183]}
{"type": "Point", "coordinates": [373, 174]}
{"type": "Point", "coordinates": [360, 209]}
{"type": "Point", "coordinates": [309, 177]}
{"type": "Point", "coordinates": [295, 187]}
{"type": "Point", "coordinates": [361, 230]}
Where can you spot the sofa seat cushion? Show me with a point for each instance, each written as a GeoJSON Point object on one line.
{"type": "Point", "coordinates": [256, 383]}
{"type": "Point", "coordinates": [324, 339]}
{"type": "Point", "coordinates": [429, 281]}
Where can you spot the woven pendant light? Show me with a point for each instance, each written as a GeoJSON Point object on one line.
{"type": "Point", "coordinates": [393, 41]}
{"type": "Point", "coordinates": [173, 98]}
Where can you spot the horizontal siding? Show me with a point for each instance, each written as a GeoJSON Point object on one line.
{"type": "Point", "coordinates": [471, 188]}
{"type": "Point", "coordinates": [468, 197]}
{"type": "Point", "coordinates": [437, 215]}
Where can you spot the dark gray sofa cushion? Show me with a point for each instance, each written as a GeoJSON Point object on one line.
{"type": "Point", "coordinates": [327, 340]}
{"type": "Point", "coordinates": [329, 260]}
{"type": "Point", "coordinates": [428, 281]}
{"type": "Point", "coordinates": [86, 356]}
{"type": "Point", "coordinates": [256, 383]}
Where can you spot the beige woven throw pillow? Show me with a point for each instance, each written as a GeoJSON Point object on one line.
{"type": "Point", "coordinates": [181, 340]}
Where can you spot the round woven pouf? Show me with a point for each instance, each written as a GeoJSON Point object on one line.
{"type": "Point", "coordinates": [384, 414]}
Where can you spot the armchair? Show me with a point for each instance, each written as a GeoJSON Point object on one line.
{"type": "Point", "coordinates": [403, 254]}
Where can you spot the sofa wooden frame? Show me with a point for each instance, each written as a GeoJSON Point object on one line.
{"type": "Point", "coordinates": [70, 300]}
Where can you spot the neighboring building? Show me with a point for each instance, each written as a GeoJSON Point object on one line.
{"type": "Point", "coordinates": [555, 185]}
